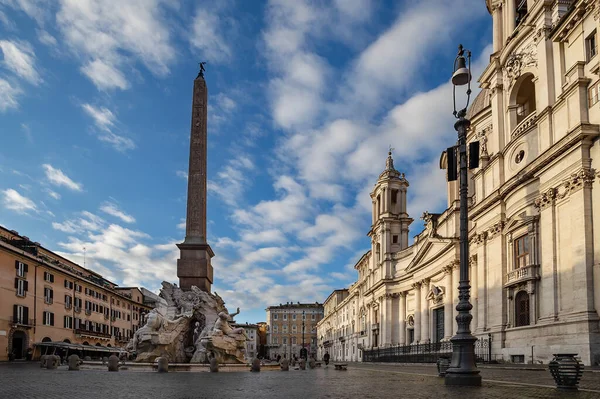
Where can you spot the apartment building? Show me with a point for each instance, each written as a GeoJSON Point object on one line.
{"type": "Point", "coordinates": [291, 327]}
{"type": "Point", "coordinates": [45, 298]}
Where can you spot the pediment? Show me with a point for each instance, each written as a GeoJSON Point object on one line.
{"type": "Point", "coordinates": [432, 250]}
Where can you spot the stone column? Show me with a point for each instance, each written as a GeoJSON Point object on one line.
{"type": "Point", "coordinates": [386, 320]}
{"type": "Point", "coordinates": [510, 17]}
{"type": "Point", "coordinates": [402, 319]}
{"type": "Point", "coordinates": [425, 337]}
{"type": "Point", "coordinates": [374, 216]}
{"type": "Point", "coordinates": [448, 303]}
{"type": "Point", "coordinates": [387, 200]}
{"type": "Point", "coordinates": [474, 293]}
{"type": "Point", "coordinates": [417, 287]}
{"type": "Point", "coordinates": [497, 22]}
{"type": "Point", "coordinates": [455, 280]}
{"type": "Point", "coordinates": [548, 268]}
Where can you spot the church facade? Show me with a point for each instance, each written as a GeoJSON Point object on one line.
{"type": "Point", "coordinates": [534, 206]}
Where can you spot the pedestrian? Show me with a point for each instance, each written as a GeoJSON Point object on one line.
{"type": "Point", "coordinates": [326, 358]}
{"type": "Point", "coordinates": [278, 358]}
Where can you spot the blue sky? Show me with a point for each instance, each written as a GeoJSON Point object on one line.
{"type": "Point", "coordinates": [304, 99]}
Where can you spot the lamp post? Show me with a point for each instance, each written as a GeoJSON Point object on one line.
{"type": "Point", "coordinates": [462, 370]}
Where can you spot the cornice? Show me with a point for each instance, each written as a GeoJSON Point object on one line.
{"type": "Point", "coordinates": [584, 177]}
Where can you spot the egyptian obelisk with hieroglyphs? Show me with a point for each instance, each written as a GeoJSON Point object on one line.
{"type": "Point", "coordinates": [193, 265]}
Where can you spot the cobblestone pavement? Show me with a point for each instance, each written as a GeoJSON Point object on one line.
{"type": "Point", "coordinates": [363, 381]}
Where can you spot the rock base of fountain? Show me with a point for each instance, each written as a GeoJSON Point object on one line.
{"type": "Point", "coordinates": [192, 328]}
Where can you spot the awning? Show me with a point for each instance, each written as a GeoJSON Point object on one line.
{"type": "Point", "coordinates": [90, 348]}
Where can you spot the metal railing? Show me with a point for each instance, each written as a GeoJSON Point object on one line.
{"type": "Point", "coordinates": [425, 353]}
{"type": "Point", "coordinates": [21, 321]}
{"type": "Point", "coordinates": [93, 333]}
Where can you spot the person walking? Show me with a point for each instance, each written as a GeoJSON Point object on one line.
{"type": "Point", "coordinates": [326, 358]}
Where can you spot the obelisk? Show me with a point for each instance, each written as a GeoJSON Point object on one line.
{"type": "Point", "coordinates": [193, 265]}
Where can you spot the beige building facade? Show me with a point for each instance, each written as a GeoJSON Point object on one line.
{"type": "Point", "coordinates": [47, 298]}
{"type": "Point", "coordinates": [290, 325]}
{"type": "Point", "coordinates": [533, 213]}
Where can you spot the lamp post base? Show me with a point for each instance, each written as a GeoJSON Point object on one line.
{"type": "Point", "coordinates": [462, 370]}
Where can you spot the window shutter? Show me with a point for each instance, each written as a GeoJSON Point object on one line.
{"type": "Point", "coordinates": [16, 282]}
{"type": "Point", "coordinates": [45, 276]}
{"type": "Point", "coordinates": [16, 264]}
{"type": "Point", "coordinates": [51, 294]}
{"type": "Point", "coordinates": [25, 268]}
{"type": "Point", "coordinates": [44, 317]}
{"type": "Point", "coordinates": [26, 285]}
{"type": "Point", "coordinates": [26, 314]}
{"type": "Point", "coordinates": [51, 319]}
{"type": "Point", "coordinates": [52, 278]}
{"type": "Point", "coordinates": [15, 313]}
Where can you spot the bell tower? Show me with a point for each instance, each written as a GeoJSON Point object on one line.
{"type": "Point", "coordinates": [389, 230]}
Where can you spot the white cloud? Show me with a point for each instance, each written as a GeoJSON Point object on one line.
{"type": "Point", "coordinates": [33, 8]}
{"type": "Point", "coordinates": [104, 75]}
{"type": "Point", "coordinates": [105, 120]}
{"type": "Point", "coordinates": [207, 36]}
{"type": "Point", "coordinates": [14, 201]}
{"type": "Point", "coordinates": [58, 178]}
{"type": "Point", "coordinates": [53, 194]}
{"type": "Point", "coordinates": [232, 180]}
{"type": "Point", "coordinates": [182, 173]}
{"type": "Point", "coordinates": [46, 38]}
{"type": "Point", "coordinates": [113, 210]}
{"type": "Point", "coordinates": [10, 25]}
{"type": "Point", "coordinates": [113, 35]}
{"type": "Point", "coordinates": [85, 223]}
{"type": "Point", "coordinates": [8, 95]}
{"type": "Point", "coordinates": [19, 58]}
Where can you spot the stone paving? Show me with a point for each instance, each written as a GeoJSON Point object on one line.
{"type": "Point", "coordinates": [360, 381]}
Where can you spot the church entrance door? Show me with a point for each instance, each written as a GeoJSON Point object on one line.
{"type": "Point", "coordinates": [438, 324]}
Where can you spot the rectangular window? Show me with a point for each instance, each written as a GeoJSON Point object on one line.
{"type": "Point", "coordinates": [294, 317]}
{"type": "Point", "coordinates": [275, 329]}
{"type": "Point", "coordinates": [48, 277]}
{"type": "Point", "coordinates": [593, 94]}
{"type": "Point", "coordinates": [68, 301]}
{"type": "Point", "coordinates": [591, 49]}
{"type": "Point", "coordinates": [284, 329]}
{"type": "Point", "coordinates": [274, 317]}
{"type": "Point", "coordinates": [284, 340]}
{"type": "Point", "coordinates": [68, 322]}
{"type": "Point", "coordinates": [48, 295]}
{"type": "Point", "coordinates": [394, 239]}
{"type": "Point", "coordinates": [48, 318]}
{"type": "Point", "coordinates": [285, 317]}
{"type": "Point", "coordinates": [312, 316]}
{"type": "Point", "coordinates": [21, 286]}
{"type": "Point", "coordinates": [21, 315]}
{"type": "Point", "coordinates": [21, 268]}
{"type": "Point", "coordinates": [521, 246]}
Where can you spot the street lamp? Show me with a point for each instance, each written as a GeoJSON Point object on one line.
{"type": "Point", "coordinates": [463, 370]}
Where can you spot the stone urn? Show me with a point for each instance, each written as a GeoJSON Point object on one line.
{"type": "Point", "coordinates": [443, 363]}
{"type": "Point", "coordinates": [566, 370]}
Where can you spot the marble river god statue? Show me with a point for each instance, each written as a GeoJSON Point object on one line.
{"type": "Point", "coordinates": [193, 324]}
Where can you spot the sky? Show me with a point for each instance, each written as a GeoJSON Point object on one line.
{"type": "Point", "coordinates": [305, 98]}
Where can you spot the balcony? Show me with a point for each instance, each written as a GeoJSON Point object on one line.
{"type": "Point", "coordinates": [67, 306]}
{"type": "Point", "coordinates": [77, 309]}
{"type": "Point", "coordinates": [523, 274]}
{"type": "Point", "coordinates": [83, 331]}
{"type": "Point", "coordinates": [525, 125]}
{"type": "Point", "coordinates": [106, 316]}
{"type": "Point", "coordinates": [20, 321]}
{"type": "Point", "coordinates": [48, 300]}
{"type": "Point", "coordinates": [88, 312]}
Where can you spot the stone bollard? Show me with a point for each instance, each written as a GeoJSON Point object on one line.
{"type": "Point", "coordinates": [52, 362]}
{"type": "Point", "coordinates": [87, 359]}
{"type": "Point", "coordinates": [74, 362]}
{"type": "Point", "coordinates": [302, 364]}
{"type": "Point", "coordinates": [312, 363]}
{"type": "Point", "coordinates": [104, 360]}
{"type": "Point", "coordinates": [255, 364]}
{"type": "Point", "coordinates": [214, 365]}
{"type": "Point", "coordinates": [113, 363]}
{"type": "Point", "coordinates": [163, 365]}
{"type": "Point", "coordinates": [43, 361]}
{"type": "Point", "coordinates": [285, 365]}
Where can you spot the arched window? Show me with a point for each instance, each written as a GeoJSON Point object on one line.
{"type": "Point", "coordinates": [525, 99]}
{"type": "Point", "coordinates": [67, 340]}
{"type": "Point", "coordinates": [521, 11]}
{"type": "Point", "coordinates": [522, 309]}
{"type": "Point", "coordinates": [46, 339]}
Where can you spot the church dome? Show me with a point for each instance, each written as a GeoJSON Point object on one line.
{"type": "Point", "coordinates": [481, 102]}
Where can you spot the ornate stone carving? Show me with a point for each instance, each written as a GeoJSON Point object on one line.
{"type": "Point", "coordinates": [410, 320]}
{"type": "Point", "coordinates": [518, 61]}
{"type": "Point", "coordinates": [436, 294]}
{"type": "Point", "coordinates": [542, 32]}
{"type": "Point", "coordinates": [582, 178]}
{"type": "Point", "coordinates": [545, 199]}
{"type": "Point", "coordinates": [431, 223]}
{"type": "Point", "coordinates": [495, 229]}
{"type": "Point", "coordinates": [472, 260]}
{"type": "Point", "coordinates": [480, 238]}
